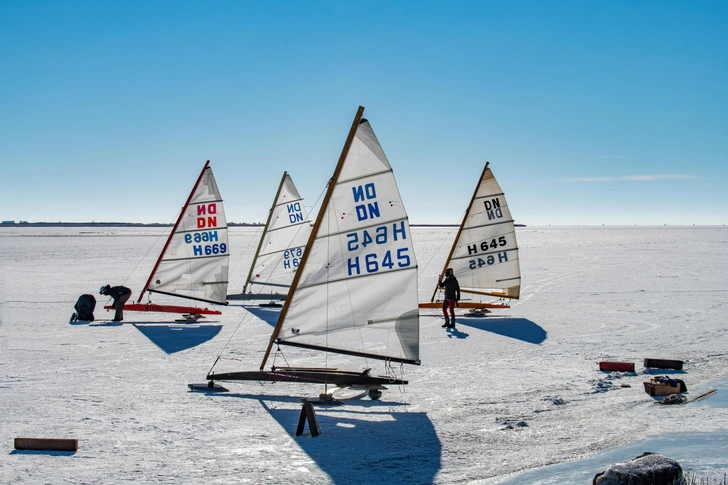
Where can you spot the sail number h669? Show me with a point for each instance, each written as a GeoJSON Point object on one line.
{"type": "Point", "coordinates": [206, 219]}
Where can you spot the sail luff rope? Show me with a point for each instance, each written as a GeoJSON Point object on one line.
{"type": "Point", "coordinates": [328, 255]}
{"type": "Point", "coordinates": [442, 243]}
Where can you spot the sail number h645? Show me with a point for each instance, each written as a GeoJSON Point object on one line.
{"type": "Point", "coordinates": [379, 248]}
{"type": "Point", "coordinates": [485, 246]}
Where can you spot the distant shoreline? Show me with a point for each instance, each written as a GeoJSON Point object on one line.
{"type": "Point", "coordinates": [107, 224]}
{"type": "Point", "coordinates": [157, 224]}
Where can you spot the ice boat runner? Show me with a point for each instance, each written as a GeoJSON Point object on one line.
{"type": "Point", "coordinates": [194, 261]}
{"type": "Point", "coordinates": [484, 256]}
{"type": "Point", "coordinates": [355, 291]}
{"type": "Point", "coordinates": [281, 247]}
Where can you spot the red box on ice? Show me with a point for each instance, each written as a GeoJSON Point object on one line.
{"type": "Point", "coordinates": [617, 366]}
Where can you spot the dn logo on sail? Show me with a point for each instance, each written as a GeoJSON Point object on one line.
{"type": "Point", "coordinates": [210, 220]}
{"type": "Point", "coordinates": [294, 213]}
{"type": "Point", "coordinates": [493, 208]}
{"type": "Point", "coordinates": [369, 210]}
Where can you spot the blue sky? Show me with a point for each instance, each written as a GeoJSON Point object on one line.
{"type": "Point", "coordinates": [604, 112]}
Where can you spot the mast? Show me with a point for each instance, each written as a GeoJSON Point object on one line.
{"type": "Point", "coordinates": [314, 232]}
{"type": "Point", "coordinates": [460, 230]}
{"type": "Point", "coordinates": [265, 229]}
{"type": "Point", "coordinates": [174, 230]}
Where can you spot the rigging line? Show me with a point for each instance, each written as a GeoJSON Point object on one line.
{"type": "Point", "coordinates": [348, 289]}
{"type": "Point", "coordinates": [242, 319]}
{"type": "Point", "coordinates": [159, 236]}
{"type": "Point", "coordinates": [442, 243]}
{"type": "Point", "coordinates": [252, 239]}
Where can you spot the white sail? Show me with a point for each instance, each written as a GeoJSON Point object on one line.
{"type": "Point", "coordinates": [484, 256]}
{"type": "Point", "coordinates": [283, 241]}
{"type": "Point", "coordinates": [357, 288]}
{"type": "Point", "coordinates": [194, 263]}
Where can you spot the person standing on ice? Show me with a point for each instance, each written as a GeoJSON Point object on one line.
{"type": "Point", "coordinates": [120, 294]}
{"type": "Point", "coordinates": [452, 296]}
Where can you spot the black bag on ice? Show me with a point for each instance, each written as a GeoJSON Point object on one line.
{"type": "Point", "coordinates": [85, 306]}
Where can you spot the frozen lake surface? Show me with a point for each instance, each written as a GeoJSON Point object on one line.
{"type": "Point", "coordinates": [515, 397]}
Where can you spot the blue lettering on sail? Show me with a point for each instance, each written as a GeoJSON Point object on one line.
{"type": "Point", "coordinates": [370, 244]}
{"type": "Point", "coordinates": [294, 212]}
{"type": "Point", "coordinates": [370, 209]}
{"type": "Point", "coordinates": [292, 257]}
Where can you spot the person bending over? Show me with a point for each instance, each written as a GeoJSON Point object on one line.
{"type": "Point", "coordinates": [120, 294]}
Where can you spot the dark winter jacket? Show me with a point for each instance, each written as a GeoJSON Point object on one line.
{"type": "Point", "coordinates": [452, 288]}
{"type": "Point", "coordinates": [116, 291]}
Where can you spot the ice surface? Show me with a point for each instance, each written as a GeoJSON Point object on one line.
{"type": "Point", "coordinates": [513, 392]}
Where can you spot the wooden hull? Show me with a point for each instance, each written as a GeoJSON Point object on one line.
{"type": "Point", "coordinates": [340, 378]}
{"type": "Point", "coordinates": [464, 304]}
{"type": "Point", "coordinates": [151, 307]}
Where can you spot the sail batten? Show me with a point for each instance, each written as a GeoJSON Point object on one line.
{"type": "Point", "coordinates": [467, 256]}
{"type": "Point", "coordinates": [200, 257]}
{"type": "Point", "coordinates": [499, 194]}
{"type": "Point", "coordinates": [472, 228]}
{"type": "Point", "coordinates": [344, 181]}
{"type": "Point", "coordinates": [313, 285]}
{"type": "Point", "coordinates": [279, 252]}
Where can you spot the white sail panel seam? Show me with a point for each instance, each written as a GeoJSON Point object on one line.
{"type": "Point", "coordinates": [488, 225]}
{"type": "Point", "coordinates": [486, 254]}
{"type": "Point", "coordinates": [365, 176]}
{"type": "Point", "coordinates": [284, 250]}
{"type": "Point", "coordinates": [333, 234]}
{"type": "Point", "coordinates": [289, 202]}
{"type": "Point", "coordinates": [197, 258]}
{"type": "Point", "coordinates": [287, 227]}
{"type": "Point", "coordinates": [489, 195]}
{"type": "Point", "coordinates": [351, 278]}
{"type": "Point", "coordinates": [204, 229]}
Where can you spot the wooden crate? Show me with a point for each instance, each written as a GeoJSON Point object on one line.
{"type": "Point", "coordinates": [657, 389]}
{"type": "Point", "coordinates": [49, 444]}
{"type": "Point", "coordinates": [617, 366]}
{"type": "Point", "coordinates": [664, 364]}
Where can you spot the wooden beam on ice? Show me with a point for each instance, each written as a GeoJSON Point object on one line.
{"type": "Point", "coordinates": [49, 444]}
